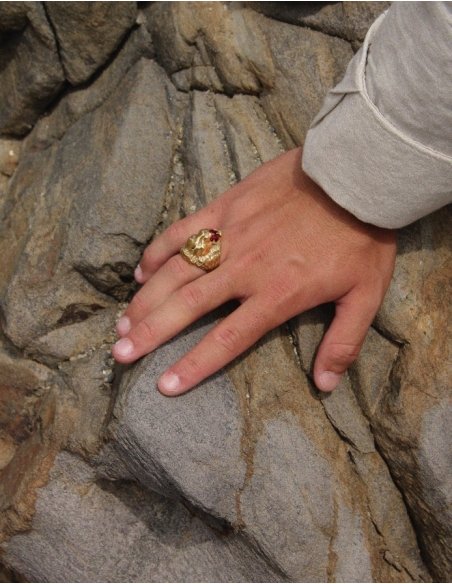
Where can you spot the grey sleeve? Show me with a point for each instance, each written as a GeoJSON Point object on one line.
{"type": "Point", "coordinates": [381, 146]}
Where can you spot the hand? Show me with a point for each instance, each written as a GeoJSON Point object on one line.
{"type": "Point", "coordinates": [286, 247]}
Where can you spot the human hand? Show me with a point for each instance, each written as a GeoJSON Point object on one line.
{"type": "Point", "coordinates": [286, 247]}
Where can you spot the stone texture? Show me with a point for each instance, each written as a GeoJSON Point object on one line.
{"type": "Point", "coordinates": [252, 476]}
{"type": "Point", "coordinates": [278, 494]}
{"type": "Point", "coordinates": [13, 16]}
{"type": "Point", "coordinates": [31, 74]}
{"type": "Point", "coordinates": [27, 409]}
{"type": "Point", "coordinates": [158, 541]}
{"type": "Point", "coordinates": [72, 272]}
{"type": "Point", "coordinates": [415, 310]}
{"type": "Point", "coordinates": [321, 62]}
{"type": "Point", "coordinates": [206, 467]}
{"type": "Point", "coordinates": [81, 100]}
{"type": "Point", "coordinates": [9, 156]}
{"type": "Point", "coordinates": [212, 35]}
{"type": "Point", "coordinates": [87, 34]}
{"type": "Point", "coordinates": [346, 20]}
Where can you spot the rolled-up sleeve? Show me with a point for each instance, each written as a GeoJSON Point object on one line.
{"type": "Point", "coordinates": [381, 146]}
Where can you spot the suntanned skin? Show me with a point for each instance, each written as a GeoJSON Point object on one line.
{"type": "Point", "coordinates": [286, 247]}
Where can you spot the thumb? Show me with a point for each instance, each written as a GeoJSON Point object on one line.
{"type": "Point", "coordinates": [344, 338]}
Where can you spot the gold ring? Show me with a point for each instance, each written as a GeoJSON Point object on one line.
{"type": "Point", "coordinates": [203, 249]}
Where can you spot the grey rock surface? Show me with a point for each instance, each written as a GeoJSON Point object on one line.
{"type": "Point", "coordinates": [13, 16]}
{"type": "Point", "coordinates": [206, 466]}
{"type": "Point", "coordinates": [289, 507]}
{"type": "Point", "coordinates": [252, 476]}
{"type": "Point", "coordinates": [157, 540]}
{"type": "Point", "coordinates": [347, 20]}
{"type": "Point", "coordinates": [213, 36]}
{"type": "Point", "coordinates": [75, 267]}
{"type": "Point", "coordinates": [87, 33]}
{"type": "Point", "coordinates": [84, 99]}
{"type": "Point", "coordinates": [31, 74]}
{"type": "Point", "coordinates": [291, 112]}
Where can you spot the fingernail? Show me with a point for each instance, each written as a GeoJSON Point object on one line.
{"type": "Point", "coordinates": [138, 274]}
{"type": "Point", "coordinates": [169, 382]}
{"type": "Point", "coordinates": [328, 380]}
{"type": "Point", "coordinates": [123, 348]}
{"type": "Point", "coordinates": [123, 325]}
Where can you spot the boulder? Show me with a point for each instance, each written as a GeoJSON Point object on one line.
{"type": "Point", "coordinates": [77, 517]}
{"type": "Point", "coordinates": [31, 74]}
{"type": "Point", "coordinates": [347, 20]}
{"type": "Point", "coordinates": [252, 476]}
{"type": "Point", "coordinates": [13, 16]}
{"type": "Point", "coordinates": [88, 33]}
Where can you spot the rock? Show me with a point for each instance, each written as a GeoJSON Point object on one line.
{"type": "Point", "coordinates": [75, 340]}
{"type": "Point", "coordinates": [9, 156]}
{"type": "Point", "coordinates": [169, 445]}
{"type": "Point", "coordinates": [389, 514]}
{"type": "Point", "coordinates": [27, 410]}
{"type": "Point", "coordinates": [320, 60]}
{"type": "Point", "coordinates": [290, 513]}
{"type": "Point", "coordinates": [82, 100]}
{"type": "Point", "coordinates": [212, 34]}
{"type": "Point", "coordinates": [88, 34]}
{"type": "Point", "coordinates": [76, 537]}
{"type": "Point", "coordinates": [13, 16]}
{"type": "Point", "coordinates": [30, 73]}
{"type": "Point", "coordinates": [346, 20]}
{"type": "Point", "coordinates": [276, 443]}
{"type": "Point", "coordinates": [405, 383]}
{"type": "Point", "coordinates": [416, 389]}
{"type": "Point", "coordinates": [224, 140]}
{"type": "Point", "coordinates": [72, 272]}
{"type": "Point", "coordinates": [24, 385]}
{"type": "Point", "coordinates": [344, 413]}
{"type": "Point", "coordinates": [252, 476]}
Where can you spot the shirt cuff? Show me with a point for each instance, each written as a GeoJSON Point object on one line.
{"type": "Point", "coordinates": [365, 163]}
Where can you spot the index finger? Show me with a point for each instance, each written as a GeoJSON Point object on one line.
{"type": "Point", "coordinates": [226, 341]}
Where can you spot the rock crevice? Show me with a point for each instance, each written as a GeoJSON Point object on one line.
{"type": "Point", "coordinates": [128, 117]}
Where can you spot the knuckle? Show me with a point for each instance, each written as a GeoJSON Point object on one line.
{"type": "Point", "coordinates": [229, 338]}
{"type": "Point", "coordinates": [177, 264]}
{"type": "Point", "coordinates": [249, 261]}
{"type": "Point", "coordinates": [280, 290]}
{"type": "Point", "coordinates": [190, 367]}
{"type": "Point", "coordinates": [343, 353]}
{"type": "Point", "coordinates": [144, 331]}
{"type": "Point", "coordinates": [258, 255]}
{"type": "Point", "coordinates": [174, 232]}
{"type": "Point", "coordinates": [192, 295]}
{"type": "Point", "coordinates": [137, 305]}
{"type": "Point", "coordinates": [149, 259]}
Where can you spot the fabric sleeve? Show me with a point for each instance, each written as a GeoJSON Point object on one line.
{"type": "Point", "coordinates": [381, 146]}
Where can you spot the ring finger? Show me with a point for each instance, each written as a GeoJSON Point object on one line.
{"type": "Point", "coordinates": [170, 241]}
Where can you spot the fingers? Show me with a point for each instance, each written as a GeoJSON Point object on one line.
{"type": "Point", "coordinates": [172, 239]}
{"type": "Point", "coordinates": [174, 274]}
{"type": "Point", "coordinates": [231, 337]}
{"type": "Point", "coordinates": [343, 340]}
{"type": "Point", "coordinates": [183, 307]}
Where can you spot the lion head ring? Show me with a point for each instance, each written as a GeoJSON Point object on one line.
{"type": "Point", "coordinates": [203, 249]}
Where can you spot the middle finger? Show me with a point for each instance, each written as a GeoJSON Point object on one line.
{"type": "Point", "coordinates": [183, 307]}
{"type": "Point", "coordinates": [174, 274]}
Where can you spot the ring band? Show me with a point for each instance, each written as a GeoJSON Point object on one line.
{"type": "Point", "coordinates": [203, 249]}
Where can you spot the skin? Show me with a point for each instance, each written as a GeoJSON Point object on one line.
{"type": "Point", "coordinates": [286, 247]}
